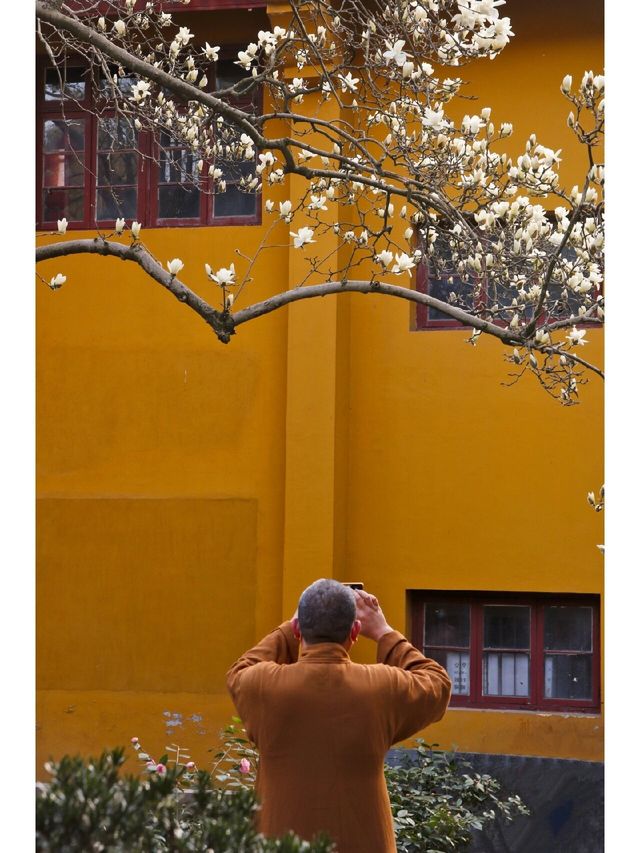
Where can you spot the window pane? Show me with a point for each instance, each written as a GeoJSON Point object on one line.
{"type": "Point", "coordinates": [60, 202]}
{"type": "Point", "coordinates": [457, 666]}
{"type": "Point", "coordinates": [233, 202]}
{"type": "Point", "coordinates": [446, 624]}
{"type": "Point", "coordinates": [178, 202]}
{"type": "Point", "coordinates": [115, 133]}
{"type": "Point", "coordinates": [440, 288]}
{"type": "Point", "coordinates": [63, 135]}
{"type": "Point", "coordinates": [505, 674]}
{"type": "Point", "coordinates": [568, 628]}
{"type": "Point", "coordinates": [114, 202]}
{"type": "Point", "coordinates": [118, 168]}
{"type": "Point", "coordinates": [73, 80]}
{"type": "Point", "coordinates": [125, 84]}
{"type": "Point", "coordinates": [177, 165]}
{"type": "Point", "coordinates": [568, 676]}
{"type": "Point", "coordinates": [506, 626]}
{"type": "Point", "coordinates": [228, 73]}
{"type": "Point", "coordinates": [63, 170]}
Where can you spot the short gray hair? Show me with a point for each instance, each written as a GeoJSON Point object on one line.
{"type": "Point", "coordinates": [326, 612]}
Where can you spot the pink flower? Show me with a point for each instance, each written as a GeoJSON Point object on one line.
{"type": "Point", "coordinates": [190, 765]}
{"type": "Point", "coordinates": [134, 740]}
{"type": "Point", "coordinates": [245, 767]}
{"type": "Point", "coordinates": [160, 769]}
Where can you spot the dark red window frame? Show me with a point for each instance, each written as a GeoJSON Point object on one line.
{"type": "Point", "coordinates": [172, 6]}
{"type": "Point", "coordinates": [536, 700]}
{"type": "Point", "coordinates": [148, 171]}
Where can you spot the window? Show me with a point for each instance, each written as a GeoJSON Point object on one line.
{"type": "Point", "coordinates": [478, 293]}
{"type": "Point", "coordinates": [93, 166]}
{"type": "Point", "coordinates": [528, 652]}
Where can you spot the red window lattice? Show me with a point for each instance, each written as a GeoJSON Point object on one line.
{"type": "Point", "coordinates": [527, 652]}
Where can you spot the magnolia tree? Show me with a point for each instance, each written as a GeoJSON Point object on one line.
{"type": "Point", "coordinates": [358, 100]}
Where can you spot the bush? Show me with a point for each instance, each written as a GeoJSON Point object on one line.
{"type": "Point", "coordinates": [88, 806]}
{"type": "Point", "coordinates": [436, 804]}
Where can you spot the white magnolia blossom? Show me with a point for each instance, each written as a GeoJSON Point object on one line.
{"type": "Point", "coordinates": [576, 336]}
{"type": "Point", "coordinates": [62, 225]}
{"type": "Point", "coordinates": [285, 210]}
{"type": "Point", "coordinates": [135, 229]}
{"type": "Point", "coordinates": [57, 281]}
{"type": "Point", "coordinates": [175, 266]}
{"type": "Point", "coordinates": [211, 53]}
{"type": "Point", "coordinates": [404, 263]}
{"type": "Point", "coordinates": [224, 276]}
{"type": "Point", "coordinates": [119, 226]}
{"type": "Point", "coordinates": [395, 53]}
{"type": "Point", "coordinates": [302, 236]}
{"type": "Point", "coordinates": [385, 257]}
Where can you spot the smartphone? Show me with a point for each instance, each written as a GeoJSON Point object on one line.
{"type": "Point", "coordinates": [353, 584]}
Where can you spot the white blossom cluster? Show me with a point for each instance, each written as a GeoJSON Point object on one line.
{"type": "Point", "coordinates": [397, 181]}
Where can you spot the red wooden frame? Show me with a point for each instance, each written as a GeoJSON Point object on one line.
{"type": "Point", "coordinates": [148, 172]}
{"type": "Point", "coordinates": [536, 700]}
{"type": "Point", "coordinates": [173, 6]}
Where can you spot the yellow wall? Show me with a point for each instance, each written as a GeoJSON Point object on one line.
{"type": "Point", "coordinates": [188, 491]}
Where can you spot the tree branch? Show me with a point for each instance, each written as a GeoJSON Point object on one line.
{"type": "Point", "coordinates": [221, 322]}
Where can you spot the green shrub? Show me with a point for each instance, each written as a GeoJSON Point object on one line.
{"type": "Point", "coordinates": [436, 803]}
{"type": "Point", "coordinates": [88, 806]}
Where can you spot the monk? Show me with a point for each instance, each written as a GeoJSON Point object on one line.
{"type": "Point", "coordinates": [323, 724]}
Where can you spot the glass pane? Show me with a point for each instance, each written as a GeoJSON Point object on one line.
{"type": "Point", "coordinates": [568, 628]}
{"type": "Point", "coordinates": [118, 168]}
{"type": "Point", "coordinates": [125, 84]}
{"type": "Point", "coordinates": [457, 666]}
{"type": "Point", "coordinates": [568, 676]}
{"type": "Point", "coordinates": [178, 202]}
{"type": "Point", "coordinates": [446, 624]}
{"type": "Point", "coordinates": [177, 165]}
{"type": "Point", "coordinates": [60, 202]}
{"type": "Point", "coordinates": [505, 674]}
{"type": "Point", "coordinates": [63, 170]}
{"type": "Point", "coordinates": [506, 626]}
{"type": "Point", "coordinates": [114, 202]}
{"type": "Point", "coordinates": [115, 133]}
{"type": "Point", "coordinates": [228, 73]}
{"type": "Point", "coordinates": [233, 202]}
{"type": "Point", "coordinates": [73, 80]}
{"type": "Point", "coordinates": [440, 288]}
{"type": "Point", "coordinates": [63, 135]}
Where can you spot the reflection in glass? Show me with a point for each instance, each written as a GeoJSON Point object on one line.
{"type": "Point", "coordinates": [115, 202]}
{"type": "Point", "coordinates": [63, 170]}
{"type": "Point", "coordinates": [177, 165]}
{"type": "Point", "coordinates": [115, 133]}
{"type": "Point", "coordinates": [117, 168]}
{"type": "Point", "coordinates": [234, 202]}
{"type": "Point", "coordinates": [63, 135]}
{"type": "Point", "coordinates": [58, 202]}
{"type": "Point", "coordinates": [568, 628]}
{"type": "Point", "coordinates": [506, 626]}
{"type": "Point", "coordinates": [446, 624]}
{"type": "Point", "coordinates": [74, 85]}
{"type": "Point", "coordinates": [505, 674]}
{"type": "Point", "coordinates": [568, 676]}
{"type": "Point", "coordinates": [178, 202]}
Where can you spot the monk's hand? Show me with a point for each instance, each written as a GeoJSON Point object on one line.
{"type": "Point", "coordinates": [372, 620]}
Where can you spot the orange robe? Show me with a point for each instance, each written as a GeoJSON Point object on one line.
{"type": "Point", "coordinates": [323, 725]}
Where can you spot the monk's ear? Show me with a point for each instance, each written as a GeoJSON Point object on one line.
{"type": "Point", "coordinates": [355, 630]}
{"type": "Point", "coordinates": [295, 625]}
